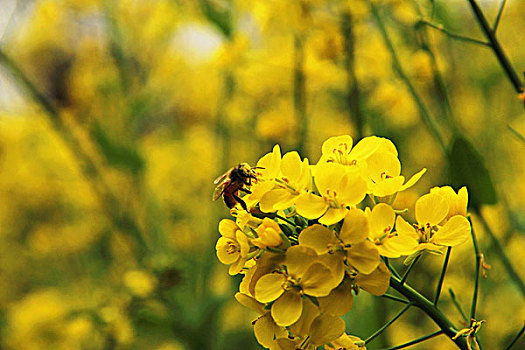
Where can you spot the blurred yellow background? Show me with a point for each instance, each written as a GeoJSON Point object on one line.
{"type": "Point", "coordinates": [107, 228]}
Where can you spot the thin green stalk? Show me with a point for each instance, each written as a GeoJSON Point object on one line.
{"type": "Point", "coordinates": [456, 304]}
{"type": "Point", "coordinates": [117, 215]}
{"type": "Point", "coordinates": [385, 326]}
{"type": "Point", "coordinates": [405, 275]}
{"type": "Point", "coordinates": [514, 276]}
{"type": "Point", "coordinates": [498, 17]}
{"type": "Point", "coordinates": [352, 85]}
{"type": "Point", "coordinates": [516, 338]}
{"type": "Point", "coordinates": [516, 133]}
{"type": "Point", "coordinates": [430, 309]}
{"type": "Point", "coordinates": [450, 34]}
{"type": "Point", "coordinates": [391, 268]}
{"type": "Point", "coordinates": [479, 258]}
{"type": "Point", "coordinates": [416, 341]}
{"type": "Point", "coordinates": [423, 111]}
{"type": "Point", "coordinates": [393, 297]}
{"type": "Point", "coordinates": [299, 93]}
{"type": "Point", "coordinates": [442, 276]}
{"type": "Point", "coordinates": [496, 47]}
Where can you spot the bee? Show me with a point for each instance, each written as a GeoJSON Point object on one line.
{"type": "Point", "coordinates": [233, 181]}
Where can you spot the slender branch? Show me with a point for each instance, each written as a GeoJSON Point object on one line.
{"type": "Point", "coordinates": [416, 341]}
{"type": "Point", "coordinates": [405, 275]}
{"type": "Point", "coordinates": [514, 276]}
{"type": "Point", "coordinates": [430, 309]}
{"type": "Point", "coordinates": [442, 276]}
{"type": "Point", "coordinates": [516, 338]}
{"type": "Point", "coordinates": [456, 304]}
{"type": "Point", "coordinates": [498, 17]}
{"type": "Point", "coordinates": [391, 268]}
{"type": "Point", "coordinates": [393, 297]}
{"type": "Point", "coordinates": [385, 326]}
{"type": "Point", "coordinates": [479, 258]}
{"type": "Point", "coordinates": [450, 34]}
{"type": "Point", "coordinates": [516, 133]}
{"type": "Point", "coordinates": [117, 215]}
{"type": "Point", "coordinates": [496, 47]}
{"type": "Point", "coordinates": [423, 111]}
{"type": "Point", "coordinates": [352, 86]}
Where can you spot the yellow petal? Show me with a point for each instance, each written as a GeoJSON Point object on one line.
{"type": "Point", "coordinates": [383, 163]}
{"type": "Point", "coordinates": [382, 219]}
{"type": "Point", "coordinates": [333, 216]}
{"type": "Point", "coordinates": [298, 259]}
{"type": "Point", "coordinates": [431, 209]}
{"type": "Point", "coordinates": [403, 228]}
{"type": "Point", "coordinates": [355, 227]}
{"type": "Point", "coordinates": [462, 201]}
{"type": "Point", "coordinates": [454, 232]}
{"type": "Point", "coordinates": [291, 165]}
{"type": "Point", "coordinates": [342, 143]}
{"type": "Point", "coordinates": [237, 266]}
{"type": "Point", "coordinates": [335, 262]}
{"type": "Point", "coordinates": [317, 280]}
{"type": "Point", "coordinates": [327, 177]}
{"type": "Point", "coordinates": [225, 250]}
{"type": "Point", "coordinates": [352, 188]}
{"type": "Point", "coordinates": [365, 148]}
{"type": "Point", "coordinates": [301, 328]}
{"type": "Point", "coordinates": [326, 328]}
{"type": "Point", "coordinates": [266, 330]}
{"type": "Point", "coordinates": [415, 178]}
{"type": "Point", "coordinates": [227, 228]}
{"type": "Point", "coordinates": [249, 302]}
{"type": "Point", "coordinates": [339, 301]}
{"type": "Point", "coordinates": [269, 164]}
{"type": "Point", "coordinates": [287, 309]}
{"type": "Point", "coordinates": [277, 198]}
{"type": "Point", "coordinates": [317, 237]}
{"type": "Point", "coordinates": [400, 245]}
{"type": "Point", "coordinates": [388, 187]}
{"type": "Point", "coordinates": [310, 205]}
{"type": "Point", "coordinates": [269, 287]}
{"type": "Point", "coordinates": [363, 256]}
{"type": "Point", "coordinates": [377, 282]}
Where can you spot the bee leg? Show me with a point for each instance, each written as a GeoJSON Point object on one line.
{"type": "Point", "coordinates": [241, 202]}
{"type": "Point", "coordinates": [245, 190]}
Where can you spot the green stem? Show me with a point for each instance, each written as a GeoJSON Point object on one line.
{"type": "Point", "coordinates": [516, 338]}
{"type": "Point", "coordinates": [416, 341]}
{"type": "Point", "coordinates": [117, 215]}
{"type": "Point", "coordinates": [498, 17]}
{"type": "Point", "coordinates": [405, 275]}
{"type": "Point", "coordinates": [352, 86]}
{"type": "Point", "coordinates": [514, 276]}
{"type": "Point", "coordinates": [430, 309]}
{"type": "Point", "coordinates": [456, 304]}
{"type": "Point", "coordinates": [423, 111]}
{"type": "Point", "coordinates": [385, 326]}
{"type": "Point", "coordinates": [393, 297]}
{"type": "Point", "coordinates": [391, 268]}
{"type": "Point", "coordinates": [451, 34]}
{"type": "Point", "coordinates": [496, 47]}
{"type": "Point", "coordinates": [479, 258]}
{"type": "Point", "coordinates": [442, 276]}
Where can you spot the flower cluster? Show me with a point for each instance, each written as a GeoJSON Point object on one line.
{"type": "Point", "coordinates": [315, 235]}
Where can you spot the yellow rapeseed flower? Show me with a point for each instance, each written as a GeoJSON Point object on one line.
{"type": "Point", "coordinates": [338, 187]}
{"type": "Point", "coordinates": [232, 247]}
{"type": "Point", "coordinates": [431, 209]}
{"type": "Point", "coordinates": [268, 235]}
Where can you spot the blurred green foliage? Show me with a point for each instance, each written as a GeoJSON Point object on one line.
{"type": "Point", "coordinates": [107, 228]}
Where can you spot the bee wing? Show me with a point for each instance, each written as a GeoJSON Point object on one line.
{"type": "Point", "coordinates": [219, 190]}
{"type": "Point", "coordinates": [220, 178]}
